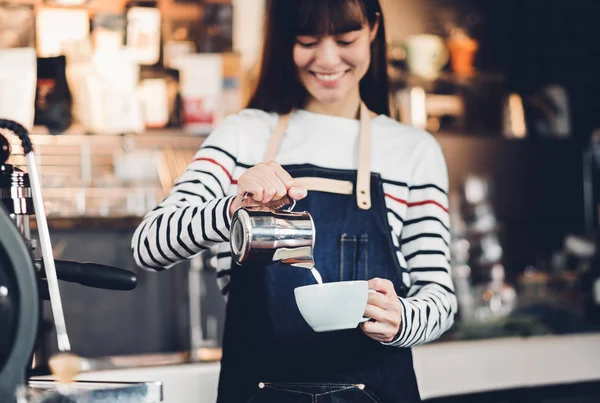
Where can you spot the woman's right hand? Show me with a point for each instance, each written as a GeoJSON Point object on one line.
{"type": "Point", "coordinates": [264, 183]}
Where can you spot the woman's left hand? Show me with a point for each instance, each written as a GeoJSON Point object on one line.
{"type": "Point", "coordinates": [384, 310]}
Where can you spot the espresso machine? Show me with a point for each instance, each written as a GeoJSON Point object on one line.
{"type": "Point", "coordinates": [26, 282]}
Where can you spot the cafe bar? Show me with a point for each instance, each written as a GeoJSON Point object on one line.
{"type": "Point", "coordinates": [320, 201]}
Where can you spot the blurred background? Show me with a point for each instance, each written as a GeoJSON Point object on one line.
{"type": "Point", "coordinates": [125, 92]}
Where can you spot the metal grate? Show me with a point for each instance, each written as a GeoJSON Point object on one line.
{"type": "Point", "coordinates": [95, 175]}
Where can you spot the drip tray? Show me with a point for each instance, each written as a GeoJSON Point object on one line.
{"type": "Point", "coordinates": [42, 391]}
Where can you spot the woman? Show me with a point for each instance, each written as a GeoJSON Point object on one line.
{"type": "Point", "coordinates": [387, 223]}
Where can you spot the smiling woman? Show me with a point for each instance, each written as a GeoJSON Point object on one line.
{"type": "Point", "coordinates": [330, 66]}
{"type": "Point", "coordinates": [350, 37]}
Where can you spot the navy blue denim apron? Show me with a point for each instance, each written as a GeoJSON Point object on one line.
{"type": "Point", "coordinates": [271, 355]}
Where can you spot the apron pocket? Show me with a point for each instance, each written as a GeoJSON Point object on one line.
{"type": "Point", "coordinates": [354, 257]}
{"type": "Point", "coordinates": [363, 258]}
{"type": "Point", "coordinates": [347, 258]}
{"type": "Point", "coordinates": [313, 392]}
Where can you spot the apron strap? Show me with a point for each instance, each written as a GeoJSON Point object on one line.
{"type": "Point", "coordinates": [363, 179]}
{"type": "Point", "coordinates": [326, 185]}
{"type": "Point", "coordinates": [276, 137]}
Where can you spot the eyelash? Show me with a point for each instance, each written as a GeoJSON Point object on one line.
{"type": "Point", "coordinates": [313, 44]}
{"type": "Point", "coordinates": [307, 45]}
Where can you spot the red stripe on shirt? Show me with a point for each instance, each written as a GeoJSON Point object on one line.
{"type": "Point", "coordinates": [218, 164]}
{"type": "Point", "coordinates": [419, 203]}
{"type": "Point", "coordinates": [396, 199]}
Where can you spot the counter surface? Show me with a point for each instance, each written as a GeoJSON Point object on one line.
{"type": "Point", "coordinates": [443, 369]}
{"type": "Point", "coordinates": [454, 368]}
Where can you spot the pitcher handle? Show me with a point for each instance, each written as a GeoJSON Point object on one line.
{"type": "Point", "coordinates": [290, 206]}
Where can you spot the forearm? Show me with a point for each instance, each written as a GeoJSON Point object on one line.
{"type": "Point", "coordinates": [179, 231]}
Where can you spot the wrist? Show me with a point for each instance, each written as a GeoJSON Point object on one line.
{"type": "Point", "coordinates": [234, 205]}
{"type": "Point", "coordinates": [399, 334]}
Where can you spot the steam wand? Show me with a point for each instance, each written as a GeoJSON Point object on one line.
{"type": "Point", "coordinates": [44, 234]}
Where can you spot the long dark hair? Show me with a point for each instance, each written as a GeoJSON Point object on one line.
{"type": "Point", "coordinates": [279, 88]}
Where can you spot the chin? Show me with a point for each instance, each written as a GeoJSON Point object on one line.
{"type": "Point", "coordinates": [328, 99]}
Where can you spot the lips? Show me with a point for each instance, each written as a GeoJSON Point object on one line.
{"type": "Point", "coordinates": [329, 76]}
{"type": "Point", "coordinates": [329, 79]}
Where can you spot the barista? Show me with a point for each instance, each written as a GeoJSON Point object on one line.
{"type": "Point", "coordinates": [323, 89]}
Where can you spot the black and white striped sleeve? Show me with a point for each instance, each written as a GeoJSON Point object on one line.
{"type": "Point", "coordinates": [429, 308]}
{"type": "Point", "coordinates": [195, 215]}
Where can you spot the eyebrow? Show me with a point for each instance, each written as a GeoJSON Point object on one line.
{"type": "Point", "coordinates": [345, 30]}
{"type": "Point", "coordinates": [349, 28]}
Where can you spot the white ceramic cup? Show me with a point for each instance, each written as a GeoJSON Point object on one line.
{"type": "Point", "coordinates": [333, 306]}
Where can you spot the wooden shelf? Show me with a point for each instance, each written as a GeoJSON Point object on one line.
{"type": "Point", "coordinates": [168, 8]}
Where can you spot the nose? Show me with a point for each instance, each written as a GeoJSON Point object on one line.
{"type": "Point", "coordinates": [328, 54]}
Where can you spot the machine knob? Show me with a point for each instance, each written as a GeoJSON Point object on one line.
{"type": "Point", "coordinates": [4, 149]}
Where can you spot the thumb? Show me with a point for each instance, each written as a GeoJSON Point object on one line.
{"type": "Point", "coordinates": [297, 192]}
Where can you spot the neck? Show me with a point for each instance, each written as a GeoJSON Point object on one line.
{"type": "Point", "coordinates": [346, 108]}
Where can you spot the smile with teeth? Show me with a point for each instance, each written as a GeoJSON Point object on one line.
{"type": "Point", "coordinates": [329, 77]}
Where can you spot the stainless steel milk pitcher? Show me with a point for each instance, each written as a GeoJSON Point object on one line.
{"type": "Point", "coordinates": [263, 235]}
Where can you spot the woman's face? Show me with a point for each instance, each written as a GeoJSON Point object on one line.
{"type": "Point", "coordinates": [330, 67]}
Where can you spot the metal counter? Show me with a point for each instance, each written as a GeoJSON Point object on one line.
{"type": "Point", "coordinates": [46, 391]}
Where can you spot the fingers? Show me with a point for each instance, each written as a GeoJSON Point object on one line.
{"type": "Point", "coordinates": [382, 286]}
{"type": "Point", "coordinates": [384, 309]}
{"type": "Point", "coordinates": [293, 191]}
{"type": "Point", "coordinates": [375, 313]}
{"type": "Point", "coordinates": [255, 189]}
{"type": "Point", "coordinates": [297, 193]}
{"type": "Point", "coordinates": [274, 186]}
{"type": "Point", "coordinates": [268, 182]}
{"type": "Point", "coordinates": [283, 175]}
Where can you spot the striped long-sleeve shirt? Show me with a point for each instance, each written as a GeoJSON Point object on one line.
{"type": "Point", "coordinates": [194, 216]}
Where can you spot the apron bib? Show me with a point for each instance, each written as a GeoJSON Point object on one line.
{"type": "Point", "coordinates": [270, 354]}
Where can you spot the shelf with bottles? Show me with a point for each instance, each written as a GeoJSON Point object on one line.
{"type": "Point", "coordinates": [442, 106]}
{"type": "Point", "coordinates": [117, 72]}
{"type": "Point", "coordinates": [401, 78]}
{"type": "Point", "coordinates": [169, 8]}
{"type": "Point", "coordinates": [37, 23]}
{"type": "Point", "coordinates": [485, 137]}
